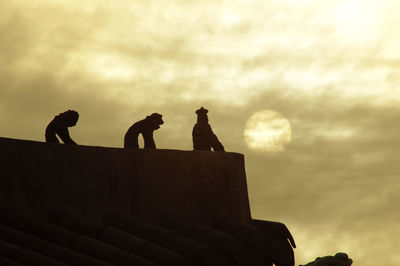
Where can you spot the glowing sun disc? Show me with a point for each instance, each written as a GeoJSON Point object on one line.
{"type": "Point", "coordinates": [267, 131]}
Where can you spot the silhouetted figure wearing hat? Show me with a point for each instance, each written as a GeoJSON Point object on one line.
{"type": "Point", "coordinates": [146, 128]}
{"type": "Point", "coordinates": [59, 126]}
{"type": "Point", "coordinates": [203, 137]}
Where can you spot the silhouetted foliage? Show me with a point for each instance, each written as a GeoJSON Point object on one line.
{"type": "Point", "coordinates": [59, 126]}
{"type": "Point", "coordinates": [203, 137]}
{"type": "Point", "coordinates": [146, 128]}
{"type": "Point", "coordinates": [340, 259]}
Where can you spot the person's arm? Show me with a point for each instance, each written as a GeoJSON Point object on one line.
{"type": "Point", "coordinates": [215, 143]}
{"type": "Point", "coordinates": [195, 138]}
{"type": "Point", "coordinates": [148, 139]}
{"type": "Point", "coordinates": [64, 135]}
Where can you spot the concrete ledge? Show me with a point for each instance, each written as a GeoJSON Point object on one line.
{"type": "Point", "coordinates": [36, 177]}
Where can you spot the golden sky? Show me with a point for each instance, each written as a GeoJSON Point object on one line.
{"type": "Point", "coordinates": [332, 68]}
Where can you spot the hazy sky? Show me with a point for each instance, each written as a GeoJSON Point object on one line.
{"type": "Point", "coordinates": [332, 68]}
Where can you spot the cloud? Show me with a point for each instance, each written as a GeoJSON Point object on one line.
{"type": "Point", "coordinates": [338, 175]}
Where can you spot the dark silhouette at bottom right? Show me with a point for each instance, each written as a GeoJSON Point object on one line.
{"type": "Point", "coordinates": [340, 259]}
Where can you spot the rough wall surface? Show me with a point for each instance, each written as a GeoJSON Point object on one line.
{"type": "Point", "coordinates": [36, 177]}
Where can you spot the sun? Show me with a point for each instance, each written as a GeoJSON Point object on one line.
{"type": "Point", "coordinates": [267, 131]}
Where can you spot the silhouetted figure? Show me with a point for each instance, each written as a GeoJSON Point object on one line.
{"type": "Point", "coordinates": [203, 137]}
{"type": "Point", "coordinates": [340, 259]}
{"type": "Point", "coordinates": [59, 126]}
{"type": "Point", "coordinates": [146, 128]}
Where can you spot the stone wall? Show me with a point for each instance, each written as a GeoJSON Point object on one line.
{"type": "Point", "coordinates": [36, 177]}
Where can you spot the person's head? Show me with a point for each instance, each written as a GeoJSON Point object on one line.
{"type": "Point", "coordinates": [202, 115]}
{"type": "Point", "coordinates": [344, 257]}
{"type": "Point", "coordinates": [70, 117]}
{"type": "Point", "coordinates": [155, 120]}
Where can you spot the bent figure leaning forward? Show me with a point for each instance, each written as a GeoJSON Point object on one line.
{"type": "Point", "coordinates": [59, 127]}
{"type": "Point", "coordinates": [145, 127]}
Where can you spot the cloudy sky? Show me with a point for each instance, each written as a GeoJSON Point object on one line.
{"type": "Point", "coordinates": [332, 68]}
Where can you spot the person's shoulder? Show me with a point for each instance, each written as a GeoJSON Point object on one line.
{"type": "Point", "coordinates": [54, 121]}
